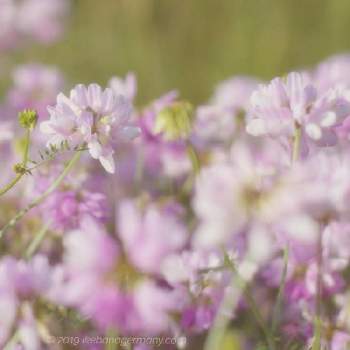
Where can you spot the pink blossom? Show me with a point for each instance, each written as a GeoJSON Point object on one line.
{"type": "Point", "coordinates": [220, 119]}
{"type": "Point", "coordinates": [38, 20]}
{"type": "Point", "coordinates": [93, 116]}
{"type": "Point", "coordinates": [126, 87]}
{"type": "Point", "coordinates": [158, 230]}
{"type": "Point", "coordinates": [278, 107]}
{"type": "Point", "coordinates": [35, 87]}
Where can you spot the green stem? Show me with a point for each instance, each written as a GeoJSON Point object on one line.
{"type": "Point", "coordinates": [217, 331]}
{"type": "Point", "coordinates": [319, 291]}
{"type": "Point", "coordinates": [18, 177]}
{"type": "Point", "coordinates": [11, 184]}
{"type": "Point", "coordinates": [280, 294]}
{"type": "Point", "coordinates": [319, 276]}
{"type": "Point", "coordinates": [43, 196]}
{"type": "Point", "coordinates": [316, 345]}
{"type": "Point", "coordinates": [26, 149]}
{"type": "Point", "coordinates": [296, 142]}
{"type": "Point", "coordinates": [112, 336]}
{"type": "Point", "coordinates": [35, 243]}
{"type": "Point", "coordinates": [51, 158]}
{"type": "Point", "coordinates": [216, 334]}
{"type": "Point", "coordinates": [252, 304]}
{"type": "Point", "coordinates": [12, 342]}
{"type": "Point", "coordinates": [193, 156]}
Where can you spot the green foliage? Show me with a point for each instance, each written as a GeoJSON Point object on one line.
{"type": "Point", "coordinates": [192, 45]}
{"type": "Point", "coordinates": [51, 152]}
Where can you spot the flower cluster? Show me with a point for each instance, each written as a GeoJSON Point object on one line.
{"type": "Point", "coordinates": [35, 20]}
{"type": "Point", "coordinates": [228, 220]}
{"type": "Point", "coordinates": [92, 117]}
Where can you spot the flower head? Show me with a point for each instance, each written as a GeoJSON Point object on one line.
{"type": "Point", "coordinates": [39, 20]}
{"type": "Point", "coordinates": [278, 107]}
{"type": "Point", "coordinates": [28, 118]}
{"type": "Point", "coordinates": [175, 121]}
{"type": "Point", "coordinates": [35, 86]}
{"type": "Point", "coordinates": [92, 116]}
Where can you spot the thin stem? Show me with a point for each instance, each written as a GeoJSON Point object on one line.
{"type": "Point", "coordinates": [193, 156]}
{"type": "Point", "coordinates": [296, 142]}
{"type": "Point", "coordinates": [51, 158]}
{"type": "Point", "coordinates": [43, 196]}
{"type": "Point", "coordinates": [35, 243]}
{"type": "Point", "coordinates": [112, 337]}
{"type": "Point", "coordinates": [26, 148]}
{"type": "Point", "coordinates": [12, 342]}
{"type": "Point", "coordinates": [319, 286]}
{"type": "Point", "coordinates": [316, 345]}
{"type": "Point", "coordinates": [212, 269]}
{"type": "Point", "coordinates": [18, 177]}
{"type": "Point", "coordinates": [252, 304]}
{"type": "Point", "coordinates": [318, 307]}
{"type": "Point", "coordinates": [217, 331]}
{"type": "Point", "coordinates": [11, 184]}
{"type": "Point", "coordinates": [280, 294]}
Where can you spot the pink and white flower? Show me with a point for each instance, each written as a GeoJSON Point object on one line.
{"type": "Point", "coordinates": [92, 116]}
{"type": "Point", "coordinates": [284, 104]}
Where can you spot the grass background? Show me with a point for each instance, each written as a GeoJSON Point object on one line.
{"type": "Point", "coordinates": [193, 44]}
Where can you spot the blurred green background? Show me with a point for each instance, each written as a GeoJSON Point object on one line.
{"type": "Point", "coordinates": [193, 44]}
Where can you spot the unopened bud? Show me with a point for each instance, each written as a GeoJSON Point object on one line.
{"type": "Point", "coordinates": [28, 118]}
{"type": "Point", "coordinates": [175, 121]}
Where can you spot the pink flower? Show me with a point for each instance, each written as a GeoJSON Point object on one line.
{"type": "Point", "coordinates": [126, 87]}
{"type": "Point", "coordinates": [217, 121]}
{"type": "Point", "coordinates": [93, 280]}
{"type": "Point", "coordinates": [39, 20]}
{"type": "Point", "coordinates": [90, 249]}
{"type": "Point", "coordinates": [231, 193]}
{"type": "Point", "coordinates": [340, 341]}
{"type": "Point", "coordinates": [8, 24]}
{"type": "Point", "coordinates": [333, 72]}
{"type": "Point", "coordinates": [91, 116]}
{"type": "Point", "coordinates": [35, 86]}
{"type": "Point", "coordinates": [42, 20]}
{"type": "Point", "coordinates": [153, 306]}
{"type": "Point", "coordinates": [158, 230]}
{"type": "Point", "coordinates": [161, 156]}
{"type": "Point", "coordinates": [21, 282]}
{"type": "Point", "coordinates": [278, 107]}
{"type": "Point", "coordinates": [67, 209]}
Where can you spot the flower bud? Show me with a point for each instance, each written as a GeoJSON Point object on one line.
{"type": "Point", "coordinates": [28, 118]}
{"type": "Point", "coordinates": [175, 121]}
{"type": "Point", "coordinates": [19, 169]}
